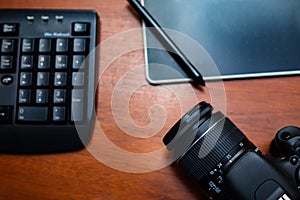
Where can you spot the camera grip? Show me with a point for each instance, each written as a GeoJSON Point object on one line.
{"type": "Point", "coordinates": [254, 176]}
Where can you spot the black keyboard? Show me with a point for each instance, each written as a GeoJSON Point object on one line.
{"type": "Point", "coordinates": [47, 79]}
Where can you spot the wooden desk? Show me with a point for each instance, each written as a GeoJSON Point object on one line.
{"type": "Point", "coordinates": [258, 107]}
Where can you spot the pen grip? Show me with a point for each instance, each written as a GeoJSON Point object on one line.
{"type": "Point", "coordinates": [168, 43]}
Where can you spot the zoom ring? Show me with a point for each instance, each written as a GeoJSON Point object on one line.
{"type": "Point", "coordinates": [220, 136]}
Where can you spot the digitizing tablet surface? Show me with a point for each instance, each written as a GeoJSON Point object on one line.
{"type": "Point", "coordinates": [244, 38]}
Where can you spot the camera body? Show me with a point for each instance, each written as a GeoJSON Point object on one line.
{"type": "Point", "coordinates": [213, 151]}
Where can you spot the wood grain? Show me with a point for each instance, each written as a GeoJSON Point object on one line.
{"type": "Point", "coordinates": [259, 107]}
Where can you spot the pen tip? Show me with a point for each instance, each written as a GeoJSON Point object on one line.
{"type": "Point", "coordinates": [200, 81]}
{"type": "Point", "coordinates": [203, 83]}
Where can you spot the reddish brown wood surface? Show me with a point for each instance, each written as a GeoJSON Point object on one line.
{"type": "Point", "coordinates": [259, 107]}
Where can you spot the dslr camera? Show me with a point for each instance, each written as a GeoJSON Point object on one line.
{"type": "Point", "coordinates": [214, 152]}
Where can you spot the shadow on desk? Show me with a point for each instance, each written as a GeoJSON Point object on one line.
{"type": "Point", "coordinates": [188, 182]}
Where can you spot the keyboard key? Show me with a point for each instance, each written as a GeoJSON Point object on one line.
{"type": "Point", "coordinates": [61, 62]}
{"type": "Point", "coordinates": [42, 96]}
{"type": "Point", "coordinates": [62, 45]}
{"type": "Point", "coordinates": [6, 114]}
{"type": "Point", "coordinates": [44, 62]}
{"type": "Point", "coordinates": [35, 114]}
{"type": "Point", "coordinates": [42, 79]}
{"type": "Point", "coordinates": [6, 62]}
{"type": "Point", "coordinates": [59, 114]}
{"type": "Point", "coordinates": [79, 45]}
{"type": "Point", "coordinates": [77, 105]}
{"type": "Point", "coordinates": [77, 61]}
{"type": "Point", "coordinates": [60, 79]}
{"type": "Point", "coordinates": [28, 45]}
{"type": "Point", "coordinates": [25, 79]}
{"type": "Point", "coordinates": [10, 29]}
{"type": "Point", "coordinates": [7, 79]}
{"type": "Point", "coordinates": [80, 28]}
{"type": "Point", "coordinates": [44, 45]}
{"type": "Point", "coordinates": [7, 45]}
{"type": "Point", "coordinates": [27, 62]}
{"type": "Point", "coordinates": [77, 79]}
{"type": "Point", "coordinates": [24, 96]}
{"type": "Point", "coordinates": [59, 96]}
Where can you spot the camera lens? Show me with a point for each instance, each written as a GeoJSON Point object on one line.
{"type": "Point", "coordinates": [211, 145]}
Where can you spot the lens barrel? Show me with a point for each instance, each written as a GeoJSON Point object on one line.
{"type": "Point", "coordinates": [211, 144]}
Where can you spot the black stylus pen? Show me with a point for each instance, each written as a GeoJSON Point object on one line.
{"type": "Point", "coordinates": [184, 63]}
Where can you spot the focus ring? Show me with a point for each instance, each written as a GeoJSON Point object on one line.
{"type": "Point", "coordinates": [218, 137]}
